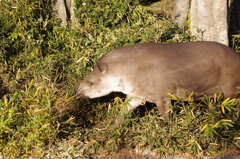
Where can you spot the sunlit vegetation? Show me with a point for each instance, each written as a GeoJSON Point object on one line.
{"type": "Point", "coordinates": [41, 63]}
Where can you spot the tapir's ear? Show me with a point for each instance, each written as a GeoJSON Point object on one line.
{"type": "Point", "coordinates": [103, 67]}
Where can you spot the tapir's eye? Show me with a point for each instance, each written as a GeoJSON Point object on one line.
{"type": "Point", "coordinates": [90, 84]}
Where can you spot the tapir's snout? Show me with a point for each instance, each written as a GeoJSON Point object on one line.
{"type": "Point", "coordinates": [79, 94]}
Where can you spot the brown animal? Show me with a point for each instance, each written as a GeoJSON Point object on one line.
{"type": "Point", "coordinates": [149, 71]}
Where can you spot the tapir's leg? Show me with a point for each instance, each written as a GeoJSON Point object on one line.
{"type": "Point", "coordinates": [231, 91]}
{"type": "Point", "coordinates": [132, 103]}
{"type": "Point", "coordinates": [163, 107]}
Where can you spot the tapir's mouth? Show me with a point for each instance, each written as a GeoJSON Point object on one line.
{"type": "Point", "coordinates": [77, 96]}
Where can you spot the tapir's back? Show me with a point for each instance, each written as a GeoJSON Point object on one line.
{"type": "Point", "coordinates": [169, 51]}
{"type": "Point", "coordinates": [172, 58]}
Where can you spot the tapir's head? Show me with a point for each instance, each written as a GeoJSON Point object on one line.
{"type": "Point", "coordinates": [98, 83]}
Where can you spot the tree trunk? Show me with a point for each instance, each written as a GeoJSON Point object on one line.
{"type": "Point", "coordinates": [180, 12]}
{"type": "Point", "coordinates": [65, 12]}
{"type": "Point", "coordinates": [209, 20]}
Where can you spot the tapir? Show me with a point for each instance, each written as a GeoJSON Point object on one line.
{"type": "Point", "coordinates": [149, 71]}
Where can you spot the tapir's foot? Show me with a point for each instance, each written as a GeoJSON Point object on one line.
{"type": "Point", "coordinates": [118, 121]}
{"type": "Point", "coordinates": [164, 121]}
{"type": "Point", "coordinates": [238, 104]}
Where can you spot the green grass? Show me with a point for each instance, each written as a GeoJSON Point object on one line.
{"type": "Point", "coordinates": [41, 63]}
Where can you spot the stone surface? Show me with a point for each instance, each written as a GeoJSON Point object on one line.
{"type": "Point", "coordinates": [209, 20]}
{"type": "Point", "coordinates": [180, 12]}
{"type": "Point", "coordinates": [65, 12]}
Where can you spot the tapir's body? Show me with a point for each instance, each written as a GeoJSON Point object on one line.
{"type": "Point", "coordinates": [149, 71]}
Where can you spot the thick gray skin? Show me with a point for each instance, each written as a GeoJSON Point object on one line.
{"type": "Point", "coordinates": [149, 71]}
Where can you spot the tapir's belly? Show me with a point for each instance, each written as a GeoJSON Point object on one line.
{"type": "Point", "coordinates": [157, 81]}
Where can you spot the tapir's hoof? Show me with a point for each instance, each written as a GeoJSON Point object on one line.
{"type": "Point", "coordinates": [164, 121]}
{"type": "Point", "coordinates": [118, 121]}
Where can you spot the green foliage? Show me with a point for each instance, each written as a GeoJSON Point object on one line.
{"type": "Point", "coordinates": [40, 64]}
{"type": "Point", "coordinates": [24, 27]}
{"type": "Point", "coordinates": [193, 127]}
{"type": "Point", "coordinates": [235, 42]}
{"type": "Point", "coordinates": [27, 122]}
{"type": "Point", "coordinates": [110, 14]}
